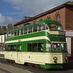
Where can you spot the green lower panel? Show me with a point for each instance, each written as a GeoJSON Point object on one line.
{"type": "Point", "coordinates": [52, 66]}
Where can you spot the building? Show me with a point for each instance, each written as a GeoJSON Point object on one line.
{"type": "Point", "coordinates": [2, 41]}
{"type": "Point", "coordinates": [9, 27]}
{"type": "Point", "coordinates": [62, 14]}
{"type": "Point", "coordinates": [2, 37]}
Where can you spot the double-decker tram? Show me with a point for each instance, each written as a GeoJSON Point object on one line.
{"type": "Point", "coordinates": [42, 43]}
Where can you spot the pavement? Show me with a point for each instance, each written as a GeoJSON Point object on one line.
{"type": "Point", "coordinates": [6, 67]}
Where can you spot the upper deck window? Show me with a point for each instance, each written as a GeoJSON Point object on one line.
{"type": "Point", "coordinates": [22, 31]}
{"type": "Point", "coordinates": [25, 30]}
{"type": "Point", "coordinates": [43, 27]}
{"type": "Point", "coordinates": [8, 34]}
{"type": "Point", "coordinates": [34, 27]}
{"type": "Point", "coordinates": [28, 29]}
{"type": "Point", "coordinates": [53, 27]}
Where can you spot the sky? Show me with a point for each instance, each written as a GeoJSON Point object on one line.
{"type": "Point", "coordinates": [12, 11]}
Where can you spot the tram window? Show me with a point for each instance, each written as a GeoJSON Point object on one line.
{"type": "Point", "coordinates": [6, 37]}
{"type": "Point", "coordinates": [53, 27]}
{"type": "Point", "coordinates": [18, 32]}
{"type": "Point", "coordinates": [21, 31]}
{"type": "Point", "coordinates": [41, 47]}
{"type": "Point", "coordinates": [42, 27]}
{"type": "Point", "coordinates": [58, 47]}
{"type": "Point", "coordinates": [46, 27]}
{"type": "Point", "coordinates": [15, 33]}
{"type": "Point", "coordinates": [13, 47]}
{"type": "Point", "coordinates": [12, 34]}
{"type": "Point", "coordinates": [25, 30]}
{"type": "Point", "coordinates": [9, 34]}
{"type": "Point", "coordinates": [34, 27]}
{"type": "Point", "coordinates": [48, 47]}
{"type": "Point", "coordinates": [55, 45]}
{"type": "Point", "coordinates": [36, 47]}
{"type": "Point", "coordinates": [38, 28]}
{"type": "Point", "coordinates": [31, 47]}
{"type": "Point", "coordinates": [7, 48]}
{"type": "Point", "coordinates": [10, 48]}
{"type": "Point", "coordinates": [30, 29]}
{"type": "Point", "coordinates": [64, 47]}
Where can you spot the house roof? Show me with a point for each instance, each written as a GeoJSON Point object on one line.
{"type": "Point", "coordinates": [67, 4]}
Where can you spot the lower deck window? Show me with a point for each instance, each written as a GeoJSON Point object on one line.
{"type": "Point", "coordinates": [58, 47]}
{"type": "Point", "coordinates": [10, 48]}
{"type": "Point", "coordinates": [35, 47]}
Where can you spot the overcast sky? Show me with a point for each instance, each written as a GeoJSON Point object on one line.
{"type": "Point", "coordinates": [12, 11]}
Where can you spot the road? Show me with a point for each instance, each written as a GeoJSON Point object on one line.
{"type": "Point", "coordinates": [6, 67]}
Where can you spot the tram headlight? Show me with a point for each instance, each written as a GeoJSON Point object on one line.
{"type": "Point", "coordinates": [55, 59]}
{"type": "Point", "coordinates": [59, 28]}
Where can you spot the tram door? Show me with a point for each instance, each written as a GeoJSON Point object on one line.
{"type": "Point", "coordinates": [19, 55]}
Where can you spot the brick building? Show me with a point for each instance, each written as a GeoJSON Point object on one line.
{"type": "Point", "coordinates": [62, 14]}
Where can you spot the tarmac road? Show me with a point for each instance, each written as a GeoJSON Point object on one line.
{"type": "Point", "coordinates": [6, 67]}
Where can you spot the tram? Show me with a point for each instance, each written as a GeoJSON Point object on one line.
{"type": "Point", "coordinates": [41, 43]}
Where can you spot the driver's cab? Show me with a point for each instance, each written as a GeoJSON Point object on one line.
{"type": "Point", "coordinates": [55, 29]}
{"type": "Point", "coordinates": [56, 47]}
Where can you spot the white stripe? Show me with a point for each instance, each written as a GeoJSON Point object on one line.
{"type": "Point", "coordinates": [28, 39]}
{"type": "Point", "coordinates": [34, 38]}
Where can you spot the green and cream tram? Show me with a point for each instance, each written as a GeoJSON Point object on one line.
{"type": "Point", "coordinates": [42, 43]}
